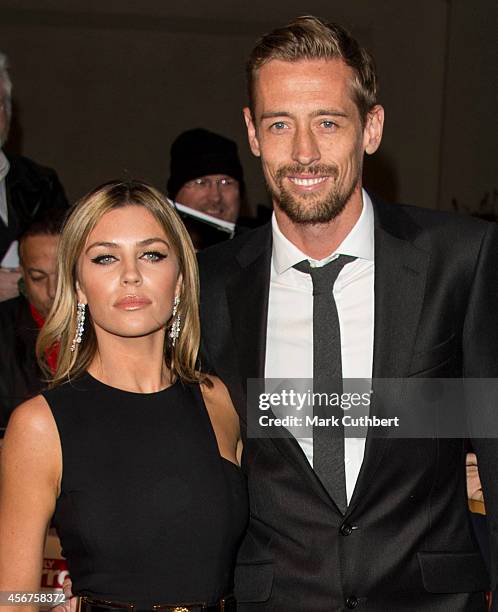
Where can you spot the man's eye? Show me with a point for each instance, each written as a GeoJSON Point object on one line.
{"type": "Point", "coordinates": [104, 259]}
{"type": "Point", "coordinates": [154, 256]}
{"type": "Point", "coordinates": [328, 124]}
{"type": "Point", "coordinates": [199, 181]}
{"type": "Point", "coordinates": [278, 126]}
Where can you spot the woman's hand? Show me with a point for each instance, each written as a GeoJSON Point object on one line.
{"type": "Point", "coordinates": [71, 603]}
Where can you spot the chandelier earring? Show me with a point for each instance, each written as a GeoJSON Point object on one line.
{"type": "Point", "coordinates": [80, 325]}
{"type": "Point", "coordinates": [174, 332]}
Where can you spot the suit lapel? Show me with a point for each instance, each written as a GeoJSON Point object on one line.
{"type": "Point", "coordinates": [400, 277]}
{"type": "Point", "coordinates": [248, 297]}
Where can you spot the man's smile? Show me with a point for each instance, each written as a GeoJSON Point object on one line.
{"type": "Point", "coordinates": [308, 183]}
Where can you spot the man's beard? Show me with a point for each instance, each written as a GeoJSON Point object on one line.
{"type": "Point", "coordinates": [311, 208]}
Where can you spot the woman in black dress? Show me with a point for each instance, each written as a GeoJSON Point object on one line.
{"type": "Point", "coordinates": [132, 451]}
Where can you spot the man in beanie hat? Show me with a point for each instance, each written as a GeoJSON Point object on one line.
{"type": "Point", "coordinates": [206, 174]}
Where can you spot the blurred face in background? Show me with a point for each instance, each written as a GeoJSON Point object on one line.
{"type": "Point", "coordinates": [214, 194]}
{"type": "Point", "coordinates": [38, 256]}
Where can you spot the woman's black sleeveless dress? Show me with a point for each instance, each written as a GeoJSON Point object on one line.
{"type": "Point", "coordinates": [149, 512]}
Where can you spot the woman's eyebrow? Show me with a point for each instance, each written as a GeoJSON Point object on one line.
{"type": "Point", "coordinates": [148, 241]}
{"type": "Point", "coordinates": [115, 245]}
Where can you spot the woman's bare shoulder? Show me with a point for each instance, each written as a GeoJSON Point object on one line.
{"type": "Point", "coordinates": [216, 389]}
{"type": "Point", "coordinates": [32, 417]}
{"type": "Point", "coordinates": [218, 400]}
{"type": "Point", "coordinates": [217, 392]}
{"type": "Point", "coordinates": [31, 437]}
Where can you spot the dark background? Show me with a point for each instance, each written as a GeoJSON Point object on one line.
{"type": "Point", "coordinates": [102, 87]}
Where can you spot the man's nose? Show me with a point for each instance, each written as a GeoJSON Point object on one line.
{"type": "Point", "coordinates": [214, 192]}
{"type": "Point", "coordinates": [52, 286]}
{"type": "Point", "coordinates": [305, 147]}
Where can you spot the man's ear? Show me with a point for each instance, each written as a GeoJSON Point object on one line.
{"type": "Point", "coordinates": [251, 131]}
{"type": "Point", "coordinates": [372, 132]}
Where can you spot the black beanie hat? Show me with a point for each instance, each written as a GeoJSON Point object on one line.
{"type": "Point", "coordinates": [199, 152]}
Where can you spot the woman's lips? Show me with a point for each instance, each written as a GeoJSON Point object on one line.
{"type": "Point", "coordinates": [132, 302]}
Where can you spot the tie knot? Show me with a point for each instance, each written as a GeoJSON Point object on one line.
{"type": "Point", "coordinates": [324, 277]}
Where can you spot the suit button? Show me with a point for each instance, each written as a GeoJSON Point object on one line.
{"type": "Point", "coordinates": [346, 529]}
{"type": "Point", "coordinates": [352, 602]}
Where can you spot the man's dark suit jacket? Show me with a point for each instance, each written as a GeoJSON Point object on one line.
{"type": "Point", "coordinates": [30, 189]}
{"type": "Point", "coordinates": [405, 542]}
{"type": "Point", "coordinates": [20, 376]}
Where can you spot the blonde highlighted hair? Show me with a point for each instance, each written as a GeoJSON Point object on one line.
{"type": "Point", "coordinates": [60, 326]}
{"type": "Point", "coordinates": [309, 38]}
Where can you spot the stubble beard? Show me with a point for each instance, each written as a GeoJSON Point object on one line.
{"type": "Point", "coordinates": [311, 208]}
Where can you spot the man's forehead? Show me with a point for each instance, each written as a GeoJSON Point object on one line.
{"type": "Point", "coordinates": [289, 81]}
{"type": "Point", "coordinates": [327, 66]}
{"type": "Point", "coordinates": [39, 244]}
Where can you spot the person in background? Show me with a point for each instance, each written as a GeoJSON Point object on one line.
{"type": "Point", "coordinates": [22, 317]}
{"type": "Point", "coordinates": [26, 189]}
{"type": "Point", "coordinates": [206, 174]}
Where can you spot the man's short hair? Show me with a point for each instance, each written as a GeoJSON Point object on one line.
{"type": "Point", "coordinates": [309, 38]}
{"type": "Point", "coordinates": [49, 223]}
{"type": "Point", "coordinates": [6, 84]}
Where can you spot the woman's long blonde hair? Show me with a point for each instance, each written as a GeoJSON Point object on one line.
{"type": "Point", "coordinates": [60, 326]}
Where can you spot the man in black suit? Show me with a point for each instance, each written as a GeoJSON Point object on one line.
{"type": "Point", "coordinates": [417, 296]}
{"type": "Point", "coordinates": [27, 190]}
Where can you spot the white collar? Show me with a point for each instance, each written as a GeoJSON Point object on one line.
{"type": "Point", "coordinates": [358, 243]}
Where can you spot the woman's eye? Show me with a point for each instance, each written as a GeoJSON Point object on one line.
{"type": "Point", "coordinates": [104, 259]}
{"type": "Point", "coordinates": [154, 256]}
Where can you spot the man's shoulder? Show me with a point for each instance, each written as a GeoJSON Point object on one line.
{"type": "Point", "coordinates": [25, 168]}
{"type": "Point", "coordinates": [226, 256]}
{"type": "Point", "coordinates": [33, 187]}
{"type": "Point", "coordinates": [415, 221]}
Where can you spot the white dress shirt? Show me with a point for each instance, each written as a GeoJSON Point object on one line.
{"type": "Point", "coordinates": [289, 336]}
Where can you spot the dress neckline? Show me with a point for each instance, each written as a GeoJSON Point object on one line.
{"type": "Point", "coordinates": [97, 382]}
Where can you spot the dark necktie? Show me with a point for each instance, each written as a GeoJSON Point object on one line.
{"type": "Point", "coordinates": [328, 442]}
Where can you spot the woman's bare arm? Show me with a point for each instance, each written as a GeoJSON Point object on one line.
{"type": "Point", "coordinates": [30, 473]}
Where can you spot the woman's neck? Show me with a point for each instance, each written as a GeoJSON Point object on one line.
{"type": "Point", "coordinates": [131, 364]}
